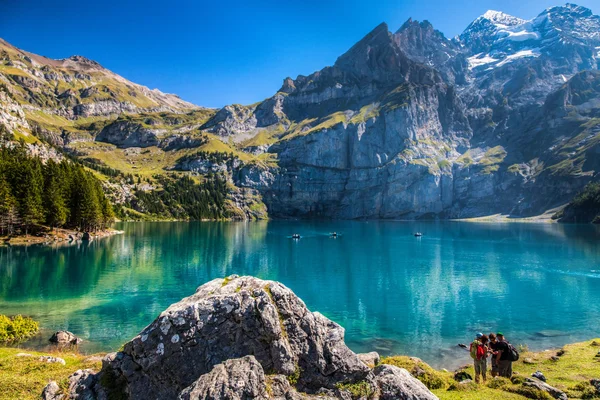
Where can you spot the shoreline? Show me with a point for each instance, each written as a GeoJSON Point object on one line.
{"type": "Point", "coordinates": [24, 375]}
{"type": "Point", "coordinates": [56, 236]}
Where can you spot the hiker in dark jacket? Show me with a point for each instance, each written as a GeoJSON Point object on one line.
{"type": "Point", "coordinates": [493, 350]}
{"type": "Point", "coordinates": [503, 357]}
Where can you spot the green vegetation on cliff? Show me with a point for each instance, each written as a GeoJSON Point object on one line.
{"type": "Point", "coordinates": [183, 198]}
{"type": "Point", "coordinates": [585, 207]}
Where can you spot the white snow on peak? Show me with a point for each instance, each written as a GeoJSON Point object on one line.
{"type": "Point", "coordinates": [500, 18]}
{"type": "Point", "coordinates": [518, 33]}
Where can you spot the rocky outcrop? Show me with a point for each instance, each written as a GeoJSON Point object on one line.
{"type": "Point", "coordinates": [241, 378]}
{"type": "Point", "coordinates": [544, 387]}
{"type": "Point", "coordinates": [398, 384]}
{"type": "Point", "coordinates": [240, 338]}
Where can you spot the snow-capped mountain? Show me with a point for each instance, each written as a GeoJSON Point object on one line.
{"type": "Point", "coordinates": [496, 39]}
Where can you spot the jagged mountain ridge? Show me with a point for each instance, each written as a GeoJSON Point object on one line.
{"type": "Point", "coordinates": [411, 124]}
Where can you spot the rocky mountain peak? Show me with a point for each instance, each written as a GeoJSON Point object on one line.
{"type": "Point", "coordinates": [374, 44]}
{"type": "Point", "coordinates": [83, 62]}
{"type": "Point", "coordinates": [428, 46]}
{"type": "Point", "coordinates": [500, 18]}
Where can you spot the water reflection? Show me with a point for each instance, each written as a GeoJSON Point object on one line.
{"type": "Point", "coordinates": [391, 291]}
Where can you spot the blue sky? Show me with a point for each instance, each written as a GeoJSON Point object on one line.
{"type": "Point", "coordinates": [214, 53]}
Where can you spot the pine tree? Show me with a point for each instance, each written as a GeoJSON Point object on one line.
{"type": "Point", "coordinates": [7, 208]}
{"type": "Point", "coordinates": [54, 199]}
{"type": "Point", "coordinates": [30, 193]}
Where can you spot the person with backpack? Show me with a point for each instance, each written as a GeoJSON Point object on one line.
{"type": "Point", "coordinates": [506, 355]}
{"type": "Point", "coordinates": [479, 353]}
{"type": "Point", "coordinates": [493, 350]}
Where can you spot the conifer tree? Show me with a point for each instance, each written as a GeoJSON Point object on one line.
{"type": "Point", "coordinates": [54, 196]}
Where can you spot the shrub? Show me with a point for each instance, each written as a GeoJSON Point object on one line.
{"type": "Point", "coordinates": [529, 392]}
{"type": "Point", "coordinates": [16, 329]}
{"type": "Point", "coordinates": [464, 386]}
{"type": "Point", "coordinates": [358, 390]}
{"type": "Point", "coordinates": [498, 382]}
{"type": "Point", "coordinates": [583, 390]}
{"type": "Point", "coordinates": [293, 378]}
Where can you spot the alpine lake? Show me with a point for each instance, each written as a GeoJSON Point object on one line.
{"type": "Point", "coordinates": [393, 292]}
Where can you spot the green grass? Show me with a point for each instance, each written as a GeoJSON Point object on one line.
{"type": "Point", "coordinates": [24, 378]}
{"type": "Point", "coordinates": [571, 374]}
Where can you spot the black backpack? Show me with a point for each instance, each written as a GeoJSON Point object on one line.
{"type": "Point", "coordinates": [513, 354]}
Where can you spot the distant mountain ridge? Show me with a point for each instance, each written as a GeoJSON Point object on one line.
{"type": "Point", "coordinates": [502, 119]}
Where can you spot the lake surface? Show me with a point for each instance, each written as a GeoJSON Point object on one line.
{"type": "Point", "coordinates": [394, 293]}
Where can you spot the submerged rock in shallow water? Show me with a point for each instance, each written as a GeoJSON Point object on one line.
{"type": "Point", "coordinates": [64, 338]}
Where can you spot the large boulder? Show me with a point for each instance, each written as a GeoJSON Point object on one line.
{"type": "Point", "coordinates": [240, 338]}
{"type": "Point", "coordinates": [398, 384]}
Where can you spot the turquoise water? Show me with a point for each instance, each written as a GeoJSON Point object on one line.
{"type": "Point", "coordinates": [538, 283]}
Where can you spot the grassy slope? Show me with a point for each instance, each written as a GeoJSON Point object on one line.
{"type": "Point", "coordinates": [576, 367]}
{"type": "Point", "coordinates": [24, 377]}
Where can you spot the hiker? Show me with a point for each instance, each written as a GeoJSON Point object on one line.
{"type": "Point", "coordinates": [493, 350]}
{"type": "Point", "coordinates": [479, 353]}
{"type": "Point", "coordinates": [505, 356]}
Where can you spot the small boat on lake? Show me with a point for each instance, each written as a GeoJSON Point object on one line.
{"type": "Point", "coordinates": [418, 234]}
{"type": "Point", "coordinates": [333, 234]}
{"type": "Point", "coordinates": [296, 236]}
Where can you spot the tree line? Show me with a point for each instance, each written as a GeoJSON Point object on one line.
{"type": "Point", "coordinates": [55, 194]}
{"type": "Point", "coordinates": [182, 198]}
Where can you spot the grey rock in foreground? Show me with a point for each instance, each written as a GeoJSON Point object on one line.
{"type": "Point", "coordinates": [398, 384]}
{"type": "Point", "coordinates": [552, 391]}
{"type": "Point", "coordinates": [370, 359]}
{"type": "Point", "coordinates": [240, 338]}
{"type": "Point", "coordinates": [241, 378]}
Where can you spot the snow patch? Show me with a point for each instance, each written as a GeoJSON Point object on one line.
{"type": "Point", "coordinates": [563, 77]}
{"type": "Point", "coordinates": [480, 59]}
{"type": "Point", "coordinates": [518, 55]}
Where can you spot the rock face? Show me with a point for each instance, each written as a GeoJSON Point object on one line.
{"type": "Point", "coordinates": [222, 342]}
{"type": "Point", "coordinates": [502, 119]}
{"type": "Point", "coordinates": [241, 378]}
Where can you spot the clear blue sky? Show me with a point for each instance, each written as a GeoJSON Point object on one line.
{"type": "Point", "coordinates": [218, 52]}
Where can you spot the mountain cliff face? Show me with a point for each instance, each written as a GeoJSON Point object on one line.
{"type": "Point", "coordinates": [502, 119]}
{"type": "Point", "coordinates": [499, 120]}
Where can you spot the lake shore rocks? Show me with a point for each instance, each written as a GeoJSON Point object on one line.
{"type": "Point", "coordinates": [64, 338]}
{"type": "Point", "coordinates": [239, 338]}
{"type": "Point", "coordinates": [552, 391]}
